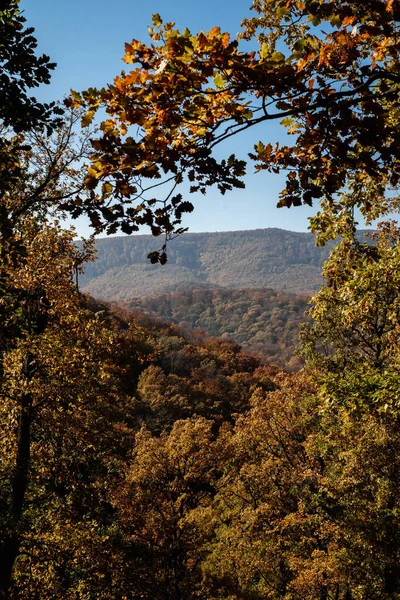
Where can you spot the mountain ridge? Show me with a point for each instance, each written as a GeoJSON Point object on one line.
{"type": "Point", "coordinates": [261, 258]}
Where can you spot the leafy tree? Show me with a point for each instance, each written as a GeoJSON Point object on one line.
{"type": "Point", "coordinates": [352, 353]}
{"type": "Point", "coordinates": [327, 70]}
{"type": "Point", "coordinates": [164, 508]}
{"type": "Point", "coordinates": [271, 540]}
{"type": "Point", "coordinates": [244, 484]}
{"type": "Point", "coordinates": [49, 171]}
{"type": "Point", "coordinates": [209, 378]}
{"type": "Point", "coordinates": [263, 321]}
{"type": "Point", "coordinates": [356, 313]}
{"type": "Point", "coordinates": [20, 112]}
{"type": "Point", "coordinates": [21, 71]}
{"type": "Point", "coordinates": [58, 405]}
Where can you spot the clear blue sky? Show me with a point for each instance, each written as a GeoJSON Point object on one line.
{"type": "Point", "coordinates": [86, 40]}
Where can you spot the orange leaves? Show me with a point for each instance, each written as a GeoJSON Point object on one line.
{"type": "Point", "coordinates": [121, 83]}
{"type": "Point", "coordinates": [225, 40]}
{"type": "Point", "coordinates": [214, 33]}
{"type": "Point", "coordinates": [190, 92]}
{"type": "Point", "coordinates": [323, 57]}
{"type": "Point", "coordinates": [211, 41]}
{"type": "Point", "coordinates": [349, 20]}
{"type": "Point", "coordinates": [124, 83]}
{"type": "Point", "coordinates": [306, 60]}
{"type": "Point", "coordinates": [131, 51]}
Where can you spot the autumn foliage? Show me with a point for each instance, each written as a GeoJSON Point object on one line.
{"type": "Point", "coordinates": [143, 461]}
{"type": "Point", "coordinates": [327, 70]}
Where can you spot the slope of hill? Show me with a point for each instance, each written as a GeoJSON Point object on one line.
{"type": "Point", "coordinates": [263, 258]}
{"type": "Point", "coordinates": [264, 322]}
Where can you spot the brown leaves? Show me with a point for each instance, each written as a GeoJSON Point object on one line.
{"type": "Point", "coordinates": [190, 93]}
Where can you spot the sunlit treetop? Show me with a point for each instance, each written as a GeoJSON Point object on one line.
{"type": "Point", "coordinates": [328, 71]}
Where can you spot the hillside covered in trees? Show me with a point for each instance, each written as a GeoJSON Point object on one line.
{"type": "Point", "coordinates": [139, 461]}
{"type": "Point", "coordinates": [264, 258]}
{"type": "Point", "coordinates": [264, 322]}
{"type": "Point", "coordinates": [155, 463]}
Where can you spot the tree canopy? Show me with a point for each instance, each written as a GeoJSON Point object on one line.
{"type": "Point", "coordinates": [21, 71]}
{"type": "Point", "coordinates": [328, 71]}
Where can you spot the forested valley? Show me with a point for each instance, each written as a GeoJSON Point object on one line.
{"type": "Point", "coordinates": [264, 322]}
{"type": "Point", "coordinates": [143, 460]}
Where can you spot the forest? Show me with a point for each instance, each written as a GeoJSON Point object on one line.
{"type": "Point", "coordinates": [264, 322]}
{"type": "Point", "coordinates": [262, 258]}
{"type": "Point", "coordinates": [140, 460]}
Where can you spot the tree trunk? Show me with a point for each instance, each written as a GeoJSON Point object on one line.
{"type": "Point", "coordinates": [10, 545]}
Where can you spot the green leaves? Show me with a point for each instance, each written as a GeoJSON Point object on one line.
{"type": "Point", "coordinates": [219, 81]}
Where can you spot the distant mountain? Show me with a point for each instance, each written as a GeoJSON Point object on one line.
{"type": "Point", "coordinates": [262, 258]}
{"type": "Point", "coordinates": [264, 322]}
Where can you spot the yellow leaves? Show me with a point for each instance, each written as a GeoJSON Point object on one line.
{"type": "Point", "coordinates": [381, 51]}
{"type": "Point", "coordinates": [92, 172]}
{"type": "Point", "coordinates": [144, 76]}
{"type": "Point", "coordinates": [287, 122]}
{"type": "Point", "coordinates": [131, 51]}
{"type": "Point", "coordinates": [76, 96]}
{"type": "Point", "coordinates": [278, 57]}
{"type": "Point", "coordinates": [264, 52]}
{"type": "Point", "coordinates": [272, 57]}
{"type": "Point", "coordinates": [106, 188]}
{"type": "Point", "coordinates": [109, 127]}
{"type": "Point", "coordinates": [156, 20]}
{"type": "Point", "coordinates": [87, 118]}
{"type": "Point", "coordinates": [282, 11]}
{"type": "Point", "coordinates": [314, 20]}
{"type": "Point", "coordinates": [219, 81]}
{"type": "Point", "coordinates": [96, 169]}
{"type": "Point", "coordinates": [335, 21]}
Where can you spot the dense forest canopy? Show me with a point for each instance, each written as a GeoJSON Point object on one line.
{"type": "Point", "coordinates": [261, 258]}
{"type": "Point", "coordinates": [146, 462]}
{"type": "Point", "coordinates": [263, 322]}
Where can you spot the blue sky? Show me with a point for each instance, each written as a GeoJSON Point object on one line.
{"type": "Point", "coordinates": [86, 40]}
